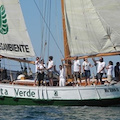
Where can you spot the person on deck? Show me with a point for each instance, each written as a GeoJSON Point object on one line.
{"type": "Point", "coordinates": [62, 76]}
{"type": "Point", "coordinates": [37, 62]}
{"type": "Point", "coordinates": [109, 71]}
{"type": "Point", "coordinates": [77, 69]}
{"type": "Point", "coordinates": [25, 71]}
{"type": "Point", "coordinates": [40, 69]}
{"type": "Point", "coordinates": [100, 68]}
{"type": "Point", "coordinates": [117, 71]}
{"type": "Point", "coordinates": [86, 69]}
{"type": "Point", "coordinates": [30, 73]}
{"type": "Point", "coordinates": [50, 68]}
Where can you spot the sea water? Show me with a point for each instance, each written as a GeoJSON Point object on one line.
{"type": "Point", "coordinates": [58, 113]}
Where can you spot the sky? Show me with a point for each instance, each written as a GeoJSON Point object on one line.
{"type": "Point", "coordinates": [33, 22]}
{"type": "Point", "coordinates": [39, 29]}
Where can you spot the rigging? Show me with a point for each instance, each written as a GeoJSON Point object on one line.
{"type": "Point", "coordinates": [48, 28]}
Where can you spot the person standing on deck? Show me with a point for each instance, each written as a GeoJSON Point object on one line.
{"type": "Point", "coordinates": [86, 69]}
{"type": "Point", "coordinates": [109, 71]}
{"type": "Point", "coordinates": [77, 69]}
{"type": "Point", "coordinates": [100, 68]}
{"type": "Point", "coordinates": [62, 75]}
{"type": "Point", "coordinates": [37, 62]}
{"type": "Point", "coordinates": [117, 71]}
{"type": "Point", "coordinates": [50, 68]}
{"type": "Point", "coordinates": [40, 69]}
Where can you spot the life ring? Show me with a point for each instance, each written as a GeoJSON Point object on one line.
{"type": "Point", "coordinates": [21, 77]}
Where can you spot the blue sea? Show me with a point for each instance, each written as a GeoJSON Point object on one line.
{"type": "Point", "coordinates": [58, 113]}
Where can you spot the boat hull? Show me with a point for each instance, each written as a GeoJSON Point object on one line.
{"type": "Point", "coordinates": [22, 101]}
{"type": "Point", "coordinates": [62, 96]}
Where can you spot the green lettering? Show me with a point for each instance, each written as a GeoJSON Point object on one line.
{"type": "Point", "coordinates": [1, 91]}
{"type": "Point", "coordinates": [6, 92]}
{"type": "Point", "coordinates": [16, 91]}
{"type": "Point", "coordinates": [21, 93]}
{"type": "Point", "coordinates": [33, 94]}
{"type": "Point", "coordinates": [28, 93]}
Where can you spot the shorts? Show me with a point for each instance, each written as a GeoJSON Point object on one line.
{"type": "Point", "coordinates": [76, 74]}
{"type": "Point", "coordinates": [50, 75]}
{"type": "Point", "coordinates": [87, 73]}
{"type": "Point", "coordinates": [40, 76]}
{"type": "Point", "coordinates": [36, 74]}
{"type": "Point", "coordinates": [109, 78]}
{"type": "Point", "coordinates": [99, 76]}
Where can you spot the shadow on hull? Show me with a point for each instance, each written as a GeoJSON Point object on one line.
{"type": "Point", "coordinates": [21, 101]}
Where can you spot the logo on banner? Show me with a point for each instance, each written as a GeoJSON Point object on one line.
{"type": "Point", "coordinates": [3, 21]}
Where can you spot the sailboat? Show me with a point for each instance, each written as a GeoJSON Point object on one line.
{"type": "Point", "coordinates": [90, 29]}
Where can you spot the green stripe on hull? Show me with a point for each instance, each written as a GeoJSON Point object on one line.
{"type": "Point", "coordinates": [23, 101]}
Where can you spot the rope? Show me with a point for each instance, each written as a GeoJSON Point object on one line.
{"type": "Point", "coordinates": [43, 30]}
{"type": "Point", "coordinates": [44, 50]}
{"type": "Point", "coordinates": [48, 28]}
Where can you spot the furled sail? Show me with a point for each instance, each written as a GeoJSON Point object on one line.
{"type": "Point", "coordinates": [93, 26]}
{"type": "Point", "coordinates": [14, 38]}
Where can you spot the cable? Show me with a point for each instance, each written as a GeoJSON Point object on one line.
{"type": "Point", "coordinates": [48, 28]}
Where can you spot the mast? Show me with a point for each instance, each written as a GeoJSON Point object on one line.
{"type": "Point", "coordinates": [66, 47]}
{"type": "Point", "coordinates": [90, 29]}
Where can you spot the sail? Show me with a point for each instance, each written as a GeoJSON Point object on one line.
{"type": "Point", "coordinates": [93, 26]}
{"type": "Point", "coordinates": [14, 38]}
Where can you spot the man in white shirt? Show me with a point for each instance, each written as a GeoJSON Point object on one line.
{"type": "Point", "coordinates": [50, 68]}
{"type": "Point", "coordinates": [40, 69]}
{"type": "Point", "coordinates": [77, 69]}
{"type": "Point", "coordinates": [100, 68]}
{"type": "Point", "coordinates": [86, 69]}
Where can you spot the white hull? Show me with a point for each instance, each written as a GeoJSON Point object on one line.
{"type": "Point", "coordinates": [68, 93]}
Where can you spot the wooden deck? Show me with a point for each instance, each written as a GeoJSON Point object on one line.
{"type": "Point", "coordinates": [83, 83]}
{"type": "Point", "coordinates": [69, 82]}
